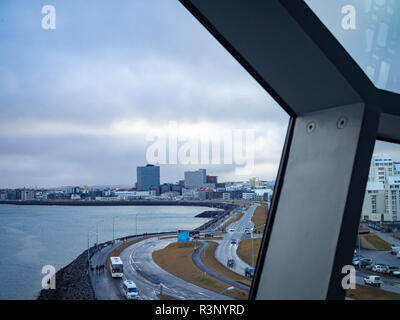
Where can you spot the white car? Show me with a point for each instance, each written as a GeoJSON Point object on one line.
{"type": "Point", "coordinates": [231, 230]}
{"type": "Point", "coordinates": [378, 268]}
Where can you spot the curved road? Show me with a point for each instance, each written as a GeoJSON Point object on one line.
{"type": "Point", "coordinates": [226, 250]}
{"type": "Point", "coordinates": [200, 264]}
{"type": "Point", "coordinates": [141, 268]}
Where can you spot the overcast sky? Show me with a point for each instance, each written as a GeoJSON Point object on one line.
{"type": "Point", "coordinates": [77, 102]}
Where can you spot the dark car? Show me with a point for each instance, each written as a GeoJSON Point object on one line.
{"type": "Point", "coordinates": [249, 272]}
{"type": "Point", "coordinates": [364, 262]}
{"type": "Point", "coordinates": [230, 263]}
{"type": "Point", "coordinates": [208, 235]}
{"type": "Point", "coordinates": [233, 241]}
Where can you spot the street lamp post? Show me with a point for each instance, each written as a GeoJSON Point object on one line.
{"type": "Point", "coordinates": [227, 289]}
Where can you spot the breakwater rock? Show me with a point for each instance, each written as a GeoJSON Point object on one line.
{"type": "Point", "coordinates": [72, 282]}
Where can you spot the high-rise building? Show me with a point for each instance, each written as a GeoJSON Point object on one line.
{"type": "Point", "coordinates": [392, 196]}
{"type": "Point", "coordinates": [381, 168]}
{"type": "Point", "coordinates": [27, 195]}
{"type": "Point", "coordinates": [374, 202]}
{"type": "Point", "coordinates": [195, 179]}
{"type": "Point", "coordinates": [147, 177]}
{"type": "Point", "coordinates": [382, 196]}
{"type": "Point", "coordinates": [212, 179]}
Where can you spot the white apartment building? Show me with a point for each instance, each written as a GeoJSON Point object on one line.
{"type": "Point", "coordinates": [248, 195]}
{"type": "Point", "coordinates": [374, 206]}
{"type": "Point", "coordinates": [381, 168]}
{"type": "Point", "coordinates": [134, 195]}
{"type": "Point", "coordinates": [382, 196]}
{"type": "Point", "coordinates": [392, 198]}
{"type": "Point", "coordinates": [396, 166]}
{"type": "Point", "coordinates": [226, 196]}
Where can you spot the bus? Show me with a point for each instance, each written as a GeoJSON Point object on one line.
{"type": "Point", "coordinates": [116, 267]}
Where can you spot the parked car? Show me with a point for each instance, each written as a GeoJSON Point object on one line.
{"type": "Point", "coordinates": [208, 235]}
{"type": "Point", "coordinates": [230, 263]}
{"type": "Point", "coordinates": [249, 272]}
{"type": "Point", "coordinates": [364, 262]}
{"type": "Point", "coordinates": [379, 268]}
{"type": "Point", "coordinates": [396, 273]}
{"type": "Point", "coordinates": [391, 269]}
{"type": "Point", "coordinates": [369, 267]}
{"type": "Point", "coordinates": [374, 281]}
{"type": "Point", "coordinates": [247, 231]}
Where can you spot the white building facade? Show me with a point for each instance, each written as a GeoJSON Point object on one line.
{"type": "Point", "coordinates": [382, 196]}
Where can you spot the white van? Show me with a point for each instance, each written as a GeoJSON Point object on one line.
{"type": "Point", "coordinates": [130, 290]}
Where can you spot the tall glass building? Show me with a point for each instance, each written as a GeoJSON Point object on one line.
{"type": "Point", "coordinates": [147, 177]}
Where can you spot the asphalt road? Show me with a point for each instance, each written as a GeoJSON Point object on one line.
{"type": "Point", "coordinates": [140, 267]}
{"type": "Point", "coordinates": [200, 264]}
{"type": "Point", "coordinates": [226, 250]}
{"type": "Point", "coordinates": [105, 287]}
{"type": "Point", "coordinates": [387, 285]}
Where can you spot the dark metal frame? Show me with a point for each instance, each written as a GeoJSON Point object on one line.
{"type": "Point", "coordinates": [295, 58]}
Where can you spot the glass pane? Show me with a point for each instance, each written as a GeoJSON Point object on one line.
{"type": "Point", "coordinates": [85, 96]}
{"type": "Point", "coordinates": [378, 242]}
{"type": "Point", "coordinates": [370, 31]}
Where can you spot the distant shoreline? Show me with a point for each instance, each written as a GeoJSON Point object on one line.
{"type": "Point", "coordinates": [117, 203]}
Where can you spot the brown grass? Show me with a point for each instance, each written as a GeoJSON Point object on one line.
{"type": "Point", "coordinates": [209, 260]}
{"type": "Point", "coordinates": [369, 293]}
{"type": "Point", "coordinates": [178, 261]}
{"type": "Point", "coordinates": [260, 217]}
{"type": "Point", "coordinates": [244, 250]}
{"type": "Point", "coordinates": [377, 242]}
{"type": "Point", "coordinates": [166, 297]}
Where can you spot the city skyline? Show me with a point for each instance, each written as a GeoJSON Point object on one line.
{"type": "Point", "coordinates": [77, 109]}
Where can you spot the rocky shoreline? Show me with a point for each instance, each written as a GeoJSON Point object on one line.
{"type": "Point", "coordinates": [72, 282]}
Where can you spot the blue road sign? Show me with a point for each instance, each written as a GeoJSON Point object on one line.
{"type": "Point", "coordinates": [183, 236]}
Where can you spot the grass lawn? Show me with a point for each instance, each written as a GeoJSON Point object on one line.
{"type": "Point", "coordinates": [369, 293]}
{"type": "Point", "coordinates": [377, 242]}
{"type": "Point", "coordinates": [260, 217]}
{"type": "Point", "coordinates": [178, 261]}
{"type": "Point", "coordinates": [244, 250]}
{"type": "Point", "coordinates": [209, 260]}
{"type": "Point", "coordinates": [165, 297]}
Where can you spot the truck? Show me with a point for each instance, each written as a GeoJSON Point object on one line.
{"type": "Point", "coordinates": [374, 281]}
